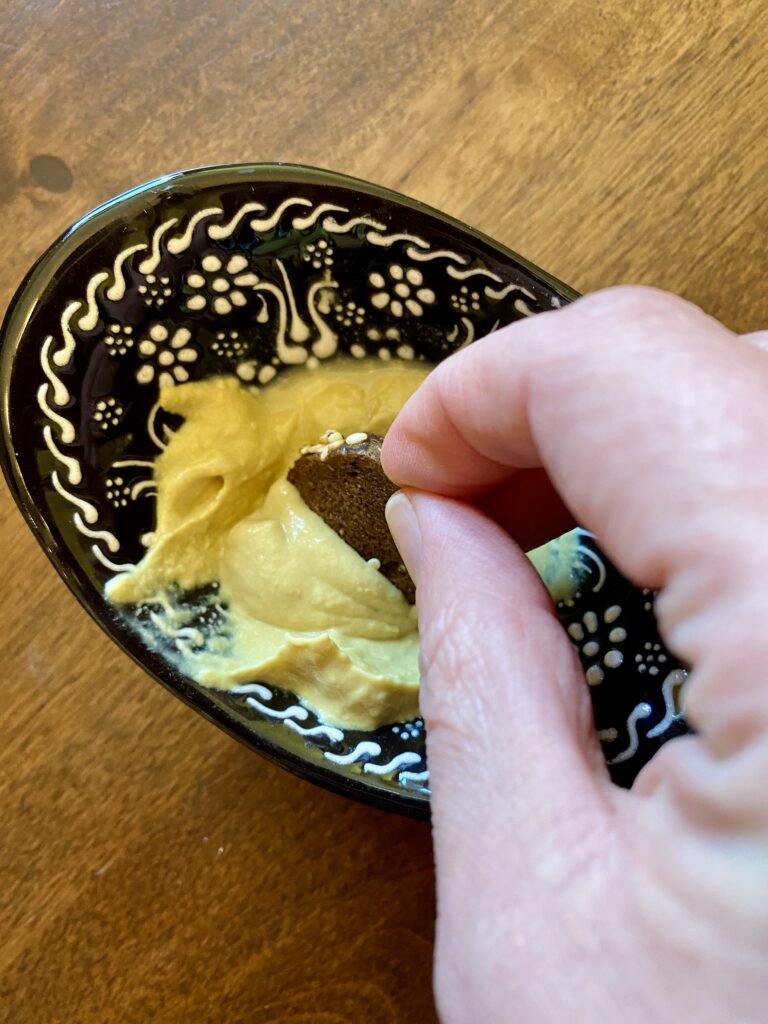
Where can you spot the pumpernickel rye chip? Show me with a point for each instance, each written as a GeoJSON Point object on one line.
{"type": "Point", "coordinates": [341, 480]}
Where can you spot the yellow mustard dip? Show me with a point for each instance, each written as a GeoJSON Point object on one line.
{"type": "Point", "coordinates": [301, 609]}
{"type": "Point", "coordinates": [304, 610]}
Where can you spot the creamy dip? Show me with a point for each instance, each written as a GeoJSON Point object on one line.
{"type": "Point", "coordinates": [299, 608]}
{"type": "Point", "coordinates": [302, 609]}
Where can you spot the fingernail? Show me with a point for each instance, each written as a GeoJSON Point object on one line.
{"type": "Point", "coordinates": [404, 527]}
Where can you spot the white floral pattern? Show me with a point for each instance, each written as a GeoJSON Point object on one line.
{"type": "Point", "coordinates": [229, 345]}
{"type": "Point", "coordinates": [349, 313]}
{"type": "Point", "coordinates": [220, 285]}
{"type": "Point", "coordinates": [117, 491]}
{"type": "Point", "coordinates": [108, 413]}
{"type": "Point", "coordinates": [466, 301]}
{"type": "Point", "coordinates": [652, 658]}
{"type": "Point", "coordinates": [156, 290]}
{"type": "Point", "coordinates": [118, 339]}
{"type": "Point", "coordinates": [166, 356]}
{"type": "Point", "coordinates": [401, 291]}
{"type": "Point", "coordinates": [584, 635]}
{"type": "Point", "coordinates": [319, 254]}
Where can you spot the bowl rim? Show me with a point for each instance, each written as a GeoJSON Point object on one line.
{"type": "Point", "coordinates": [24, 301]}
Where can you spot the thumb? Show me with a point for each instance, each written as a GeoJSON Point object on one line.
{"type": "Point", "coordinates": [515, 766]}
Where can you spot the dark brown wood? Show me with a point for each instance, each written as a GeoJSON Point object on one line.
{"type": "Point", "coordinates": [150, 868]}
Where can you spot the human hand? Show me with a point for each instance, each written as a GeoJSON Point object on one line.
{"type": "Point", "coordinates": [560, 896]}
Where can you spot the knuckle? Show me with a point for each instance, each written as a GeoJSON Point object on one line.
{"type": "Point", "coordinates": [639, 304]}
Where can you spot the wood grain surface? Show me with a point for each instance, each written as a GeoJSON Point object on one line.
{"type": "Point", "coordinates": [151, 869]}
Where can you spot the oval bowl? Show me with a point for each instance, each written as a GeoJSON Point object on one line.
{"type": "Point", "coordinates": [81, 422]}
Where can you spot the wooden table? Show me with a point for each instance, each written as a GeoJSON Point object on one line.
{"type": "Point", "coordinates": [151, 869]}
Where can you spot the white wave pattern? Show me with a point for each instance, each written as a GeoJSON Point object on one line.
{"type": "Point", "coordinates": [264, 692]}
{"type": "Point", "coordinates": [90, 318]}
{"type": "Point", "coordinates": [89, 511]}
{"type": "Point", "coordinates": [332, 225]}
{"type": "Point", "coordinates": [302, 223]}
{"type": "Point", "coordinates": [366, 748]}
{"type": "Point", "coordinates": [116, 290]}
{"type": "Point", "coordinates": [400, 761]}
{"type": "Point", "coordinates": [333, 734]}
{"type": "Point", "coordinates": [108, 563]}
{"type": "Point", "coordinates": [220, 231]}
{"type": "Point", "coordinates": [462, 275]}
{"type": "Point", "coordinates": [295, 711]}
{"type": "Point", "coordinates": [151, 262]}
{"type": "Point", "coordinates": [642, 710]}
{"type": "Point", "coordinates": [180, 243]}
{"type": "Point", "coordinates": [419, 777]}
{"type": "Point", "coordinates": [67, 430]}
{"type": "Point", "coordinates": [74, 473]}
{"type": "Point", "coordinates": [62, 356]}
{"type": "Point", "coordinates": [60, 393]}
{"type": "Point", "coordinates": [436, 254]}
{"type": "Point", "coordinates": [502, 293]}
{"type": "Point", "coordinates": [267, 223]}
{"type": "Point", "coordinates": [674, 680]}
{"type": "Point", "coordinates": [387, 240]}
{"type": "Point", "coordinates": [109, 538]}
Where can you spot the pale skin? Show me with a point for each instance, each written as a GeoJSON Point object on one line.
{"type": "Point", "coordinates": [562, 898]}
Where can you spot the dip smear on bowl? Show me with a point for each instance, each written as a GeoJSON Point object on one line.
{"type": "Point", "coordinates": [297, 606]}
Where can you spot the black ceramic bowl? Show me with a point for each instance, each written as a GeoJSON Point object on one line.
{"type": "Point", "coordinates": [218, 270]}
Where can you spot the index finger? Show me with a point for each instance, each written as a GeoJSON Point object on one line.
{"type": "Point", "coordinates": [647, 415]}
{"type": "Point", "coordinates": [651, 421]}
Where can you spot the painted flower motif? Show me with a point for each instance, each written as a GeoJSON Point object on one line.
{"type": "Point", "coordinates": [108, 413]}
{"type": "Point", "coordinates": [118, 339]}
{"type": "Point", "coordinates": [402, 292]}
{"type": "Point", "coordinates": [220, 285]}
{"type": "Point", "coordinates": [155, 290]}
{"type": "Point", "coordinates": [349, 313]}
{"type": "Point", "coordinates": [166, 356]}
{"type": "Point", "coordinates": [118, 491]}
{"type": "Point", "coordinates": [652, 658]}
{"type": "Point", "coordinates": [466, 301]}
{"type": "Point", "coordinates": [229, 345]}
{"type": "Point", "coordinates": [319, 254]}
{"type": "Point", "coordinates": [584, 636]}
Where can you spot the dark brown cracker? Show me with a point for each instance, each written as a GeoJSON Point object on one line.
{"type": "Point", "coordinates": [346, 487]}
